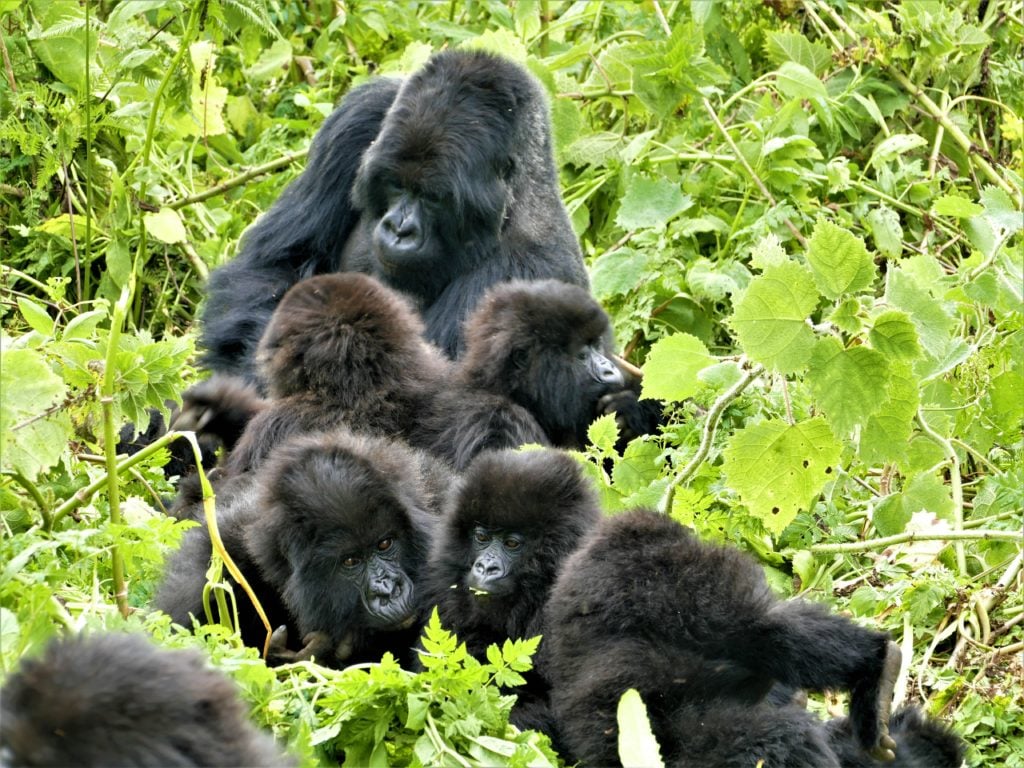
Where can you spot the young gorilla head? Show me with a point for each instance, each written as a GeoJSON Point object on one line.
{"type": "Point", "coordinates": [118, 700]}
{"type": "Point", "coordinates": [513, 520]}
{"type": "Point", "coordinates": [342, 536]}
{"type": "Point", "coordinates": [547, 346]}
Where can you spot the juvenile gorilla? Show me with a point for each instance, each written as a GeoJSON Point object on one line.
{"type": "Point", "coordinates": [118, 700]}
{"type": "Point", "coordinates": [695, 629]}
{"type": "Point", "coordinates": [340, 350]}
{"type": "Point", "coordinates": [333, 536]}
{"type": "Point", "coordinates": [538, 368]}
{"type": "Point", "coordinates": [511, 524]}
{"type": "Point", "coordinates": [441, 185]}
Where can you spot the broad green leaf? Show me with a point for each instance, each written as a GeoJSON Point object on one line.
{"type": "Point", "coordinates": [61, 43]}
{"type": "Point", "coordinates": [84, 325]}
{"type": "Point", "coordinates": [924, 493]}
{"type": "Point", "coordinates": [792, 46]}
{"type": "Point", "coordinates": [770, 317]}
{"type": "Point", "coordinates": [637, 468]}
{"type": "Point", "coordinates": [779, 468]}
{"type": "Point", "coordinates": [1006, 391]}
{"type": "Point", "coordinates": [933, 320]}
{"type": "Point", "coordinates": [1000, 210]}
{"type": "Point", "coordinates": [796, 81]}
{"type": "Point", "coordinates": [768, 252]}
{"type": "Point", "coordinates": [30, 441]}
{"type": "Point", "coordinates": [650, 203]}
{"type": "Point", "coordinates": [954, 205]}
{"type": "Point", "coordinates": [272, 63]}
{"type": "Point", "coordinates": [886, 231]}
{"type": "Point", "coordinates": [897, 144]}
{"type": "Point", "coordinates": [894, 335]}
{"type": "Point", "coordinates": [670, 372]}
{"type": "Point", "coordinates": [166, 226]}
{"type": "Point", "coordinates": [618, 272]}
{"type": "Point", "coordinates": [886, 435]}
{"type": "Point", "coordinates": [36, 316]}
{"type": "Point", "coordinates": [839, 260]}
{"type": "Point", "coordinates": [638, 748]}
{"type": "Point", "coordinates": [846, 317]}
{"type": "Point", "coordinates": [603, 433]}
{"type": "Point", "coordinates": [846, 382]}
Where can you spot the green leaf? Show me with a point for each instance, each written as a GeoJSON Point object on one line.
{"type": "Point", "coordinates": [894, 334]}
{"type": "Point", "coordinates": [36, 316]}
{"type": "Point", "coordinates": [895, 145]}
{"type": "Point", "coordinates": [650, 203]}
{"type": "Point", "coordinates": [845, 382]}
{"type": "Point", "coordinates": [886, 231]}
{"type": "Point", "coordinates": [670, 371]}
{"type": "Point", "coordinates": [83, 326]}
{"type": "Point", "coordinates": [768, 252]}
{"type": "Point", "coordinates": [638, 748]}
{"type": "Point", "coordinates": [638, 467]}
{"type": "Point", "coordinates": [886, 435]}
{"type": "Point", "coordinates": [954, 205]}
{"type": "Point", "coordinates": [934, 322]}
{"type": "Point", "coordinates": [618, 272]}
{"type": "Point", "coordinates": [29, 389]}
{"type": "Point", "coordinates": [846, 316]}
{"type": "Point", "coordinates": [779, 469]}
{"type": "Point", "coordinates": [166, 226]}
{"type": "Point", "coordinates": [796, 81]}
{"type": "Point", "coordinates": [61, 43]}
{"type": "Point", "coordinates": [839, 260]}
{"type": "Point", "coordinates": [603, 433]}
{"type": "Point", "coordinates": [1001, 211]}
{"type": "Point", "coordinates": [924, 493]}
{"type": "Point", "coordinates": [792, 46]}
{"type": "Point", "coordinates": [770, 317]}
{"type": "Point", "coordinates": [272, 63]}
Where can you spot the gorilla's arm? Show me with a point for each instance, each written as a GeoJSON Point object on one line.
{"type": "Point", "coordinates": [301, 235]}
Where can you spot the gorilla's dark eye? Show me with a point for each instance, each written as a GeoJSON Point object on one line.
{"type": "Point", "coordinates": [512, 543]}
{"type": "Point", "coordinates": [482, 536]}
{"type": "Point", "coordinates": [351, 562]}
{"type": "Point", "coordinates": [384, 545]}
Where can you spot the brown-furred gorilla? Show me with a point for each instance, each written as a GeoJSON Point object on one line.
{"type": "Point", "coordinates": [538, 368]}
{"type": "Point", "coordinates": [441, 185]}
{"type": "Point", "coordinates": [332, 533]}
{"type": "Point", "coordinates": [511, 523]}
{"type": "Point", "coordinates": [116, 699]}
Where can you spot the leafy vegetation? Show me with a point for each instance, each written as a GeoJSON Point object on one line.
{"type": "Point", "coordinates": [804, 217]}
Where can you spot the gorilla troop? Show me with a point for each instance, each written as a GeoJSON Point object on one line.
{"type": "Point", "coordinates": [441, 185]}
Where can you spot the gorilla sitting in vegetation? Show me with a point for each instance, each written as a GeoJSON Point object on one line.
{"type": "Point", "coordinates": [512, 522]}
{"type": "Point", "coordinates": [695, 629]}
{"type": "Point", "coordinates": [116, 699]}
{"type": "Point", "coordinates": [332, 535]}
{"type": "Point", "coordinates": [538, 368]}
{"type": "Point", "coordinates": [441, 185]}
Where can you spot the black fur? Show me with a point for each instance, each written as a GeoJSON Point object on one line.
{"type": "Point", "coordinates": [542, 498]}
{"type": "Point", "coordinates": [921, 742]}
{"type": "Point", "coordinates": [525, 377]}
{"type": "Point", "coordinates": [695, 628]}
{"type": "Point", "coordinates": [341, 350]}
{"type": "Point", "coordinates": [317, 501]}
{"type": "Point", "coordinates": [463, 147]}
{"type": "Point", "coordinates": [117, 700]}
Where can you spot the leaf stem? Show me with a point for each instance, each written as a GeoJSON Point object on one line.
{"type": "Point", "coordinates": [955, 485]}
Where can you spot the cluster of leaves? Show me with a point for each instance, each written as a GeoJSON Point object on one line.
{"type": "Point", "coordinates": [805, 220]}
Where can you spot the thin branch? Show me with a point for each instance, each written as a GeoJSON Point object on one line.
{"type": "Point", "coordinates": [7, 65]}
{"type": "Point", "coordinates": [955, 485]}
{"type": "Point", "coordinates": [912, 536]}
{"type": "Point", "coordinates": [236, 181]}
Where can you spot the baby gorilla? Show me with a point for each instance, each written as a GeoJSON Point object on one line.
{"type": "Point", "coordinates": [332, 536]}
{"type": "Point", "coordinates": [513, 521]}
{"type": "Point", "coordinates": [694, 627]}
{"type": "Point", "coordinates": [538, 368]}
{"type": "Point", "coordinates": [117, 700]}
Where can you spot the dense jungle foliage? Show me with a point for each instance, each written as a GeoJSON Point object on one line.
{"type": "Point", "coordinates": [804, 217]}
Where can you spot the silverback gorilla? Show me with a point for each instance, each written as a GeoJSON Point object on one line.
{"type": "Point", "coordinates": [441, 185]}
{"type": "Point", "coordinates": [118, 700]}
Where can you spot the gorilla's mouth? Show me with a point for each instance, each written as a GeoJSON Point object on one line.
{"type": "Point", "coordinates": [392, 611]}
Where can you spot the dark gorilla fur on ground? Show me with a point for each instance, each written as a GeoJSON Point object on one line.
{"type": "Point", "coordinates": [110, 700]}
{"type": "Point", "coordinates": [538, 363]}
{"type": "Point", "coordinates": [442, 185]}
{"type": "Point", "coordinates": [316, 502]}
{"type": "Point", "coordinates": [920, 742]}
{"type": "Point", "coordinates": [542, 500]}
{"type": "Point", "coordinates": [341, 350]}
{"type": "Point", "coordinates": [696, 630]}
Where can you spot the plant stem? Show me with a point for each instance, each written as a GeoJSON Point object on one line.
{"type": "Point", "coordinates": [955, 486]}
{"type": "Point", "coordinates": [912, 536]}
{"type": "Point", "coordinates": [252, 173]}
{"type": "Point", "coordinates": [37, 497]}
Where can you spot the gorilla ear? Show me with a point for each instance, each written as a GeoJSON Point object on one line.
{"type": "Point", "coordinates": [507, 168]}
{"type": "Point", "coordinates": [519, 358]}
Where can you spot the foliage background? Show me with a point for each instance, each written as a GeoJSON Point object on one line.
{"type": "Point", "coordinates": [804, 217]}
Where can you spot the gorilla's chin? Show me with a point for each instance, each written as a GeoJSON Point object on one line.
{"type": "Point", "coordinates": [484, 589]}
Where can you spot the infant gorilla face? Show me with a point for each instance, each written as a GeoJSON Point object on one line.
{"type": "Point", "coordinates": [386, 591]}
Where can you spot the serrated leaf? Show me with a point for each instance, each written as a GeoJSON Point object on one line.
{"type": "Point", "coordinates": [618, 272]}
{"type": "Point", "coordinates": [166, 226]}
{"type": "Point", "coordinates": [894, 334]}
{"type": "Point", "coordinates": [650, 203]}
{"type": "Point", "coordinates": [779, 469]}
{"type": "Point", "coordinates": [846, 316]}
{"type": "Point", "coordinates": [796, 81]}
{"type": "Point", "coordinates": [637, 468]}
{"type": "Point", "coordinates": [934, 322]}
{"type": "Point", "coordinates": [768, 252]}
{"type": "Point", "coordinates": [886, 435]}
{"type": "Point", "coordinates": [897, 144]}
{"type": "Point", "coordinates": [36, 316]}
{"type": "Point", "coordinates": [638, 748]}
{"type": "Point", "coordinates": [886, 231]}
{"type": "Point", "coordinates": [29, 389]}
{"type": "Point", "coordinates": [1000, 210]}
{"type": "Point", "coordinates": [770, 317]}
{"type": "Point", "coordinates": [603, 433]}
{"type": "Point", "coordinates": [670, 371]}
{"type": "Point", "coordinates": [956, 206]}
{"type": "Point", "coordinates": [845, 382]}
{"type": "Point", "coordinates": [792, 46]}
{"type": "Point", "coordinates": [839, 260]}
{"type": "Point", "coordinates": [924, 493]}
